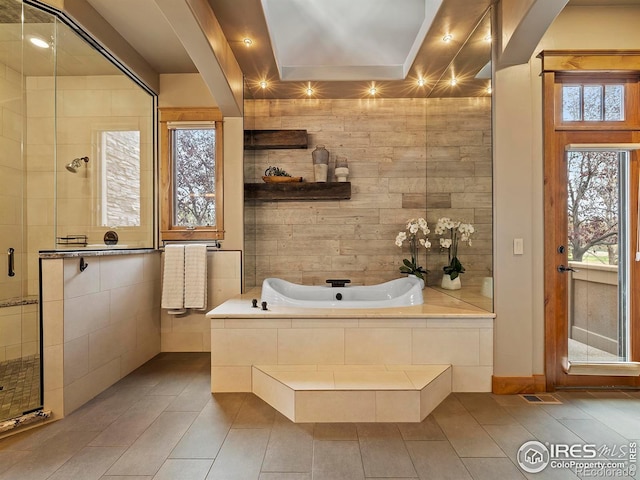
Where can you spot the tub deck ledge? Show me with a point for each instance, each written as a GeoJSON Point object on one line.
{"type": "Point", "coordinates": [436, 305]}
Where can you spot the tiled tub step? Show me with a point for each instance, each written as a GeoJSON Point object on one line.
{"type": "Point", "coordinates": [352, 393]}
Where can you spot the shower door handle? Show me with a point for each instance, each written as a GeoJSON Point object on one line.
{"type": "Point", "coordinates": [11, 262]}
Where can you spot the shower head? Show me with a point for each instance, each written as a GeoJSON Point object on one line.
{"type": "Point", "coordinates": [76, 163]}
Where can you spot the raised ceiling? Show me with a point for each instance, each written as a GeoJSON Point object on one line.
{"type": "Point", "coordinates": [356, 40]}
{"type": "Point", "coordinates": [311, 46]}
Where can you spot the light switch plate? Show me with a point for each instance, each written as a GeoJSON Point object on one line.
{"type": "Point", "coordinates": [518, 246]}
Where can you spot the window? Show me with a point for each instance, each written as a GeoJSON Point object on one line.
{"type": "Point", "coordinates": [592, 103]}
{"type": "Point", "coordinates": [191, 174]}
{"type": "Point", "coordinates": [119, 178]}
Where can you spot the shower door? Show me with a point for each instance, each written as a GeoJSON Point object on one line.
{"type": "Point", "coordinates": [21, 61]}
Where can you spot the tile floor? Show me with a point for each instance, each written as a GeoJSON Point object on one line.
{"type": "Point", "coordinates": [162, 423]}
{"type": "Point", "coordinates": [20, 382]}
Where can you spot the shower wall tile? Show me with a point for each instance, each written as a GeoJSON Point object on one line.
{"type": "Point", "coordinates": [84, 103]}
{"type": "Point", "coordinates": [30, 323]}
{"type": "Point", "coordinates": [40, 103]}
{"type": "Point", "coordinates": [130, 102]}
{"type": "Point", "coordinates": [10, 149]}
{"type": "Point", "coordinates": [11, 123]}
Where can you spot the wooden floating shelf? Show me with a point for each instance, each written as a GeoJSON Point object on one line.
{"type": "Point", "coordinates": [297, 191]}
{"type": "Point", "coordinates": [274, 139]}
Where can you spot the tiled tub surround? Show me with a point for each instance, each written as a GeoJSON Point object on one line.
{"type": "Point", "coordinates": [192, 332]}
{"type": "Point", "coordinates": [407, 158]}
{"type": "Point", "coordinates": [98, 325]}
{"type": "Point", "coordinates": [442, 331]}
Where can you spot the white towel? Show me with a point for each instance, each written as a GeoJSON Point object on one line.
{"type": "Point", "coordinates": [195, 276]}
{"type": "Point", "coordinates": [173, 279]}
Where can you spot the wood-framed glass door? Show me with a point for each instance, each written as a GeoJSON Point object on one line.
{"type": "Point", "coordinates": [592, 319]}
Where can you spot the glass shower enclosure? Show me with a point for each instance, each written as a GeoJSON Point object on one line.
{"type": "Point", "coordinates": [76, 166]}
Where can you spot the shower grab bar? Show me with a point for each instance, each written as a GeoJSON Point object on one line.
{"type": "Point", "coordinates": [11, 262]}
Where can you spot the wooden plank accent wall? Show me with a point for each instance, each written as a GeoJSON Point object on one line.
{"type": "Point", "coordinates": [407, 158]}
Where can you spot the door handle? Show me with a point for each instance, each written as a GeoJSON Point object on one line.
{"type": "Point", "coordinates": [563, 269]}
{"type": "Point", "coordinates": [11, 262]}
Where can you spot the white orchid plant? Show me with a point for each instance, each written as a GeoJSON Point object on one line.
{"type": "Point", "coordinates": [413, 230]}
{"type": "Point", "coordinates": [452, 233]}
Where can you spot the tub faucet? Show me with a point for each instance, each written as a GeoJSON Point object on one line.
{"type": "Point", "coordinates": [338, 282]}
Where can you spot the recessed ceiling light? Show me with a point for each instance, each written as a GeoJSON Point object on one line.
{"type": "Point", "coordinates": [39, 42]}
{"type": "Point", "coordinates": [373, 91]}
{"type": "Point", "coordinates": [489, 90]}
{"type": "Point", "coordinates": [447, 38]}
{"type": "Point", "coordinates": [263, 84]}
{"type": "Point", "coordinates": [421, 82]}
{"type": "Point", "coordinates": [488, 38]}
{"type": "Point", "coordinates": [309, 91]}
{"type": "Point", "coordinates": [247, 41]}
{"type": "Point", "coordinates": [453, 82]}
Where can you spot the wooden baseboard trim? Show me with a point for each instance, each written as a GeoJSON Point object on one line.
{"type": "Point", "coordinates": [517, 385]}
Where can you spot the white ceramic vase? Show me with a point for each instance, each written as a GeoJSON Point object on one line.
{"type": "Point", "coordinates": [449, 284]}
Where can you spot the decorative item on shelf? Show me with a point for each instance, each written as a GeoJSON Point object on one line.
{"type": "Point", "coordinates": [278, 175]}
{"type": "Point", "coordinates": [320, 158]}
{"type": "Point", "coordinates": [342, 169]}
{"type": "Point", "coordinates": [456, 231]}
{"type": "Point", "coordinates": [414, 227]}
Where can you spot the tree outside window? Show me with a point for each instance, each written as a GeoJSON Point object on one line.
{"type": "Point", "coordinates": [195, 174]}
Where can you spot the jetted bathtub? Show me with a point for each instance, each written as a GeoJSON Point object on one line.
{"type": "Point", "coordinates": [402, 292]}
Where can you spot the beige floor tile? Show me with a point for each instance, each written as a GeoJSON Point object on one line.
{"type": "Point", "coordinates": [428, 429]}
{"type": "Point", "coordinates": [210, 428]}
{"type": "Point", "coordinates": [335, 431]}
{"type": "Point", "coordinates": [48, 457]}
{"type": "Point", "coordinates": [151, 449]}
{"type": "Point", "coordinates": [437, 460]}
{"type": "Point", "coordinates": [131, 424]}
{"type": "Point", "coordinates": [241, 455]}
{"type": "Point", "coordinates": [194, 396]}
{"type": "Point", "coordinates": [290, 447]}
{"type": "Point", "coordinates": [89, 463]}
{"type": "Point", "coordinates": [485, 409]}
{"type": "Point", "coordinates": [337, 461]}
{"type": "Point", "coordinates": [384, 453]}
{"type": "Point", "coordinates": [467, 434]}
{"type": "Point", "coordinates": [492, 468]}
{"type": "Point", "coordinates": [254, 413]}
{"type": "Point", "coordinates": [181, 469]}
{"type": "Point", "coordinates": [284, 476]}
